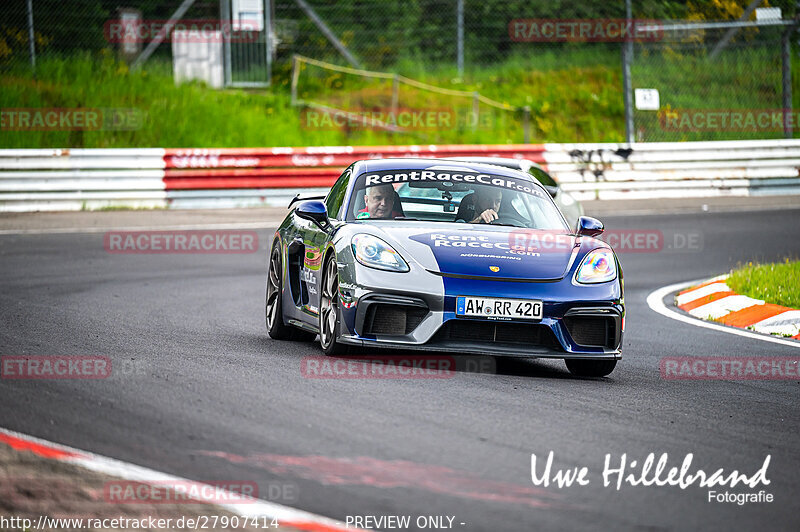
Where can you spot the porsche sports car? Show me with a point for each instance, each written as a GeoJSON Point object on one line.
{"type": "Point", "coordinates": [445, 256]}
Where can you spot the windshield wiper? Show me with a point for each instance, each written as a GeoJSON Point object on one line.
{"type": "Point", "coordinates": [405, 218]}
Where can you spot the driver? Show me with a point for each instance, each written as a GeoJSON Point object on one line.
{"type": "Point", "coordinates": [483, 208]}
{"type": "Point", "coordinates": [379, 201]}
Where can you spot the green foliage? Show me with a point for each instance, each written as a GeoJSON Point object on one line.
{"type": "Point", "coordinates": [774, 282]}
{"type": "Point", "coordinates": [192, 115]}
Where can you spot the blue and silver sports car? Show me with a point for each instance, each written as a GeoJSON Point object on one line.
{"type": "Point", "coordinates": [445, 256]}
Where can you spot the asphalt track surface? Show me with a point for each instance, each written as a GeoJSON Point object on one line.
{"type": "Point", "coordinates": [205, 394]}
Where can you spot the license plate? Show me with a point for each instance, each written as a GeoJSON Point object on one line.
{"type": "Point", "coordinates": [498, 308]}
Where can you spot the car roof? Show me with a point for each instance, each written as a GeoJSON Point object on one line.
{"type": "Point", "coordinates": [414, 163]}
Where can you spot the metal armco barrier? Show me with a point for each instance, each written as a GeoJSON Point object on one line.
{"type": "Point", "coordinates": [44, 179]}
{"type": "Point", "coordinates": [676, 169]}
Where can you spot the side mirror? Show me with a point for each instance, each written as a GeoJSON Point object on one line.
{"type": "Point", "coordinates": [588, 226]}
{"type": "Point", "coordinates": [551, 189]}
{"type": "Point", "coordinates": [313, 210]}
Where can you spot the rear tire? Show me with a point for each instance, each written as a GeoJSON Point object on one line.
{"type": "Point", "coordinates": [273, 307]}
{"type": "Point", "coordinates": [590, 368]}
{"type": "Point", "coordinates": [329, 311]}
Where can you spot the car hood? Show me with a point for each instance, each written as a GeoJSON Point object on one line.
{"type": "Point", "coordinates": [490, 252]}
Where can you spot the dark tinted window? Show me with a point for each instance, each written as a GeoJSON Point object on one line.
{"type": "Point", "coordinates": [336, 196]}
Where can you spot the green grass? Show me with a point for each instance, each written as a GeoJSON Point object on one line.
{"type": "Point", "coordinates": [774, 283]}
{"type": "Point", "coordinates": [575, 95]}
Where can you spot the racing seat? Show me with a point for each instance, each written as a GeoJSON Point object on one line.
{"type": "Point", "coordinates": [466, 209]}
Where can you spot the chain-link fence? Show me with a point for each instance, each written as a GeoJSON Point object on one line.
{"type": "Point", "coordinates": [563, 83]}
{"type": "Point", "coordinates": [152, 31]}
{"type": "Point", "coordinates": [714, 81]}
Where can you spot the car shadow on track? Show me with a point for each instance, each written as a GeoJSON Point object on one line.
{"type": "Point", "coordinates": [457, 363]}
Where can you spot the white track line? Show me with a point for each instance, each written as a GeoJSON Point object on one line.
{"type": "Point", "coordinates": [286, 515]}
{"type": "Point", "coordinates": [68, 230]}
{"type": "Point", "coordinates": [656, 303]}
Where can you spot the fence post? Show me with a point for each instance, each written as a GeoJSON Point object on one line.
{"type": "Point", "coordinates": [475, 109]}
{"type": "Point", "coordinates": [627, 56]}
{"type": "Point", "coordinates": [526, 124]}
{"type": "Point", "coordinates": [295, 76]}
{"type": "Point", "coordinates": [31, 42]}
{"type": "Point", "coordinates": [786, 61]}
{"type": "Point", "coordinates": [460, 53]}
{"type": "Point", "coordinates": [226, 17]}
{"type": "Point", "coordinates": [395, 94]}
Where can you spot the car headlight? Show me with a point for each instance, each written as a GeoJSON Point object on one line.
{"type": "Point", "coordinates": [598, 266]}
{"type": "Point", "coordinates": [373, 252]}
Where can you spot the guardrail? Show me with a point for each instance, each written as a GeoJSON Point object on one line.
{"type": "Point", "coordinates": [676, 169]}
{"type": "Point", "coordinates": [32, 180]}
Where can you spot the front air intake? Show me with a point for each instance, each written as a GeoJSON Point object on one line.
{"type": "Point", "coordinates": [391, 319]}
{"type": "Point", "coordinates": [491, 332]}
{"type": "Point", "coordinates": [592, 331]}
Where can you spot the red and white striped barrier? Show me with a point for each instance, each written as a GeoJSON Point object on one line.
{"type": "Point", "coordinates": [714, 300]}
{"type": "Point", "coordinates": [32, 180]}
{"type": "Point", "coordinates": [247, 507]}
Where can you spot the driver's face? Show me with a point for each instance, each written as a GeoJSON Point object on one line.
{"type": "Point", "coordinates": [379, 201]}
{"type": "Point", "coordinates": [489, 200]}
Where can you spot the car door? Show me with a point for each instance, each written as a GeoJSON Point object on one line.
{"type": "Point", "coordinates": [311, 241]}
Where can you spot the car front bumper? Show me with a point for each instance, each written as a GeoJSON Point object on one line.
{"type": "Point", "coordinates": [416, 311]}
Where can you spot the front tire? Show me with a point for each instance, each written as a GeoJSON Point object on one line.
{"type": "Point", "coordinates": [590, 368]}
{"type": "Point", "coordinates": [273, 308]}
{"type": "Point", "coordinates": [329, 311]}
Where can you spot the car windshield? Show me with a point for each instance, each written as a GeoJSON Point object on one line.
{"type": "Point", "coordinates": [456, 196]}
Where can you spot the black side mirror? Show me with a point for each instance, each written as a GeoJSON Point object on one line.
{"type": "Point", "coordinates": [313, 210]}
{"type": "Point", "coordinates": [588, 226]}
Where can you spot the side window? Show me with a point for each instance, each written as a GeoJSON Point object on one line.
{"type": "Point", "coordinates": [542, 176]}
{"type": "Point", "coordinates": [336, 196]}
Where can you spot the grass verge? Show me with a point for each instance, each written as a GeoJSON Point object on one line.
{"type": "Point", "coordinates": [774, 282]}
